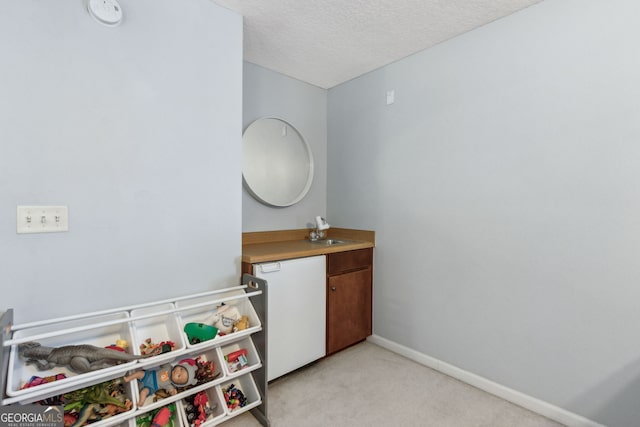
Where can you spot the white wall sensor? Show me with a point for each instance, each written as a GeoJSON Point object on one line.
{"type": "Point", "coordinates": [106, 12]}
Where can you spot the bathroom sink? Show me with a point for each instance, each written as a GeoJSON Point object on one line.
{"type": "Point", "coordinates": [329, 242]}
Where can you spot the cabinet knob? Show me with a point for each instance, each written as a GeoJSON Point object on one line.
{"type": "Point", "coordinates": [333, 288]}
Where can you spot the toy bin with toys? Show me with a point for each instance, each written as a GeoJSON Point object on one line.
{"type": "Point", "coordinates": [239, 357]}
{"type": "Point", "coordinates": [165, 416]}
{"type": "Point", "coordinates": [156, 333]}
{"type": "Point", "coordinates": [240, 394]}
{"type": "Point", "coordinates": [203, 408]}
{"type": "Point", "coordinates": [99, 404]}
{"type": "Point", "coordinates": [230, 313]}
{"type": "Point", "coordinates": [199, 369]}
{"type": "Point", "coordinates": [31, 364]}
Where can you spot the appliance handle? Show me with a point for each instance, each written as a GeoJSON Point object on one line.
{"type": "Point", "coordinates": [270, 268]}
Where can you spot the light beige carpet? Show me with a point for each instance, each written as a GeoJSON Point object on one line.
{"type": "Point", "coordinates": [366, 385]}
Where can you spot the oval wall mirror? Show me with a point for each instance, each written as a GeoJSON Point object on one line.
{"type": "Point", "coordinates": [277, 164]}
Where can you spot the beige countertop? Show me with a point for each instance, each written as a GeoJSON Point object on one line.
{"type": "Point", "coordinates": [265, 246]}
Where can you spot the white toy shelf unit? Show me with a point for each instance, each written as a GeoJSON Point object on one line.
{"type": "Point", "coordinates": [229, 369]}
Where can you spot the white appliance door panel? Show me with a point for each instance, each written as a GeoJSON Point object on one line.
{"type": "Point", "coordinates": [296, 317]}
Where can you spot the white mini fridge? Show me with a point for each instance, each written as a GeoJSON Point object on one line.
{"type": "Point", "coordinates": [296, 315]}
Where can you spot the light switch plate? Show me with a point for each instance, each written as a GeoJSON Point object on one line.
{"type": "Point", "coordinates": [42, 219]}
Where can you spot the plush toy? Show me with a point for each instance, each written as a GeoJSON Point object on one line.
{"type": "Point", "coordinates": [224, 318]}
{"type": "Point", "coordinates": [241, 324]}
{"type": "Point", "coordinates": [166, 377]}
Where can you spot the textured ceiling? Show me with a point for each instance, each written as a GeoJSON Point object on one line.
{"type": "Point", "coordinates": [327, 42]}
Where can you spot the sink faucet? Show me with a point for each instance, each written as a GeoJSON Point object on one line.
{"type": "Point", "coordinates": [321, 225]}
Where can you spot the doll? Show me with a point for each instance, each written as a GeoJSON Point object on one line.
{"type": "Point", "coordinates": [166, 377]}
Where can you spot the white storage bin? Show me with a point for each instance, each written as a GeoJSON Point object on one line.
{"type": "Point", "coordinates": [213, 356]}
{"type": "Point", "coordinates": [122, 417]}
{"type": "Point", "coordinates": [215, 409]}
{"type": "Point", "coordinates": [210, 355]}
{"type": "Point", "coordinates": [146, 419]}
{"type": "Point", "coordinates": [159, 328]}
{"type": "Point", "coordinates": [20, 373]}
{"type": "Point", "coordinates": [251, 360]}
{"type": "Point", "coordinates": [248, 387]}
{"type": "Point", "coordinates": [207, 306]}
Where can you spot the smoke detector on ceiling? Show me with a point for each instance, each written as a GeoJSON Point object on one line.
{"type": "Point", "coordinates": [106, 12]}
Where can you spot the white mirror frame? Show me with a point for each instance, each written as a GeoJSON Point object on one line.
{"type": "Point", "coordinates": [277, 163]}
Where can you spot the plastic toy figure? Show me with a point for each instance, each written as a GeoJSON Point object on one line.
{"type": "Point", "coordinates": [166, 377]}
{"type": "Point", "coordinates": [198, 409]}
{"type": "Point", "coordinates": [162, 418]}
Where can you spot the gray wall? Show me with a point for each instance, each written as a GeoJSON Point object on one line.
{"type": "Point", "coordinates": [137, 129]}
{"type": "Point", "coordinates": [270, 94]}
{"type": "Point", "coordinates": [503, 188]}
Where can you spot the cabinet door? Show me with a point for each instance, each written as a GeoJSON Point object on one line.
{"type": "Point", "coordinates": [349, 309]}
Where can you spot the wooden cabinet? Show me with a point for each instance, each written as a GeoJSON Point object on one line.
{"type": "Point", "coordinates": [349, 289]}
{"type": "Point", "coordinates": [349, 298]}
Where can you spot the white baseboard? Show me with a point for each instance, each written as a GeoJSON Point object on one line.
{"type": "Point", "coordinates": [538, 406]}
